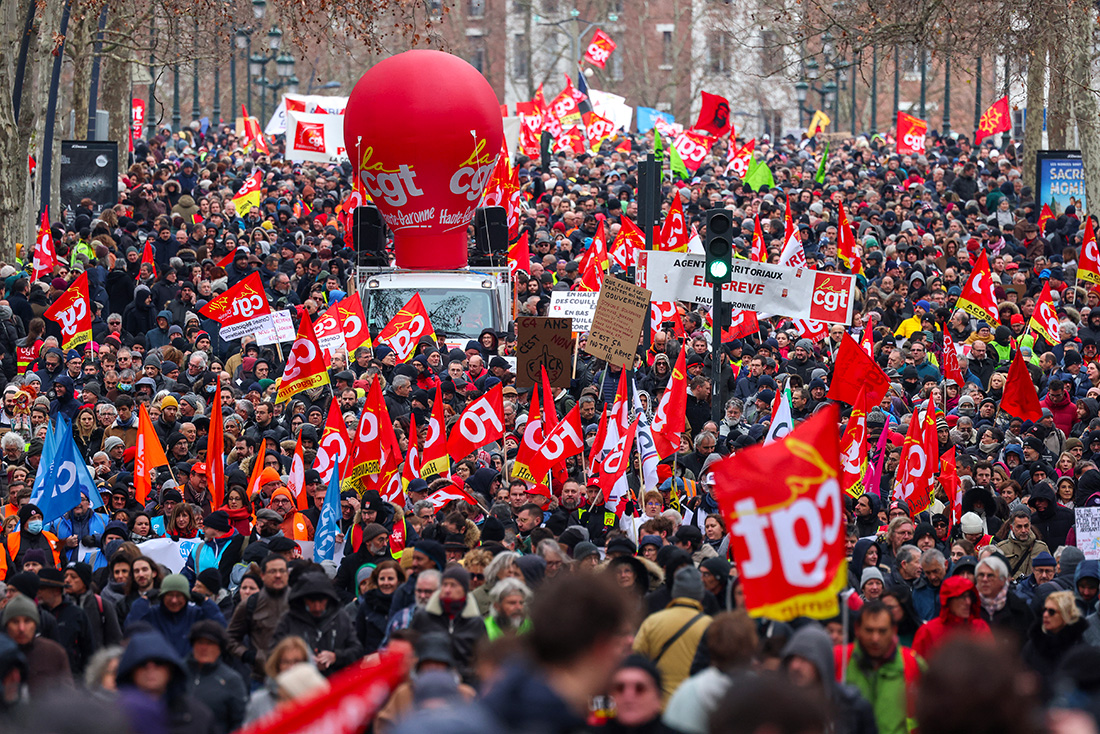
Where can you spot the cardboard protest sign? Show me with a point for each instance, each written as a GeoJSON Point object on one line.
{"type": "Point", "coordinates": [617, 323]}
{"type": "Point", "coordinates": [580, 306]}
{"type": "Point", "coordinates": [543, 341]}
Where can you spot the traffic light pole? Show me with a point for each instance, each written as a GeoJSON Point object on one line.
{"type": "Point", "coordinates": [716, 351]}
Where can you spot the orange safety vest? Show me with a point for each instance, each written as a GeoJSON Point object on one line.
{"type": "Point", "coordinates": [15, 538]}
{"type": "Point", "coordinates": [297, 527]}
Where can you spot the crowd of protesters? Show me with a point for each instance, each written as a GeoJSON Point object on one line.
{"type": "Point", "coordinates": [522, 614]}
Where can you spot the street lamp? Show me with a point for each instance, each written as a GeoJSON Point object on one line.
{"type": "Point", "coordinates": [257, 66]}
{"type": "Point", "coordinates": [258, 8]}
{"type": "Point", "coordinates": [284, 70]}
{"type": "Point", "coordinates": [801, 89]}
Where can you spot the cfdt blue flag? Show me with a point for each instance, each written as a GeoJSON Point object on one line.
{"type": "Point", "coordinates": [328, 524]}
{"type": "Point", "coordinates": [46, 468]}
{"type": "Point", "coordinates": [64, 484]}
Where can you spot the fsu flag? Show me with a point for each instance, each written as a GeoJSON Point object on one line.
{"type": "Point", "coordinates": [853, 449]}
{"type": "Point", "coordinates": [482, 422]}
{"type": "Point", "coordinates": [669, 420]}
{"type": "Point", "coordinates": [45, 257]}
{"type": "Point", "coordinates": [599, 49]}
{"type": "Point", "coordinates": [738, 160]}
{"type": "Point", "coordinates": [72, 310]}
{"type": "Point", "coordinates": [215, 449]}
{"type": "Point", "coordinates": [241, 309]}
{"type": "Point", "coordinates": [785, 513]}
{"type": "Point", "coordinates": [674, 233]}
{"type": "Point", "coordinates": [149, 455]}
{"type": "Point", "coordinates": [1089, 267]}
{"type": "Point", "coordinates": [994, 120]}
{"type": "Point", "coordinates": [977, 297]}
{"type": "Point", "coordinates": [519, 256]}
{"type": "Point", "coordinates": [855, 372]}
{"type": "Point", "coordinates": [1019, 398]}
{"type": "Point", "coordinates": [714, 116]}
{"type": "Point", "coordinates": [1043, 319]}
{"type": "Point", "coordinates": [404, 330]}
{"type": "Point", "coordinates": [919, 461]}
{"type": "Point", "coordinates": [354, 323]}
{"type": "Point", "coordinates": [911, 132]}
{"type": "Point", "coordinates": [305, 368]}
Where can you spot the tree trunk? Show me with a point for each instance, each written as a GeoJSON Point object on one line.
{"type": "Point", "coordinates": [78, 47]}
{"type": "Point", "coordinates": [116, 90]}
{"type": "Point", "coordinates": [1036, 100]}
{"type": "Point", "coordinates": [1079, 40]}
{"type": "Point", "coordinates": [15, 218]}
{"type": "Point", "coordinates": [1059, 106]}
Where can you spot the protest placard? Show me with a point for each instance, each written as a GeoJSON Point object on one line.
{"type": "Point", "coordinates": [617, 323]}
{"type": "Point", "coordinates": [577, 305]}
{"type": "Point", "coordinates": [544, 341]}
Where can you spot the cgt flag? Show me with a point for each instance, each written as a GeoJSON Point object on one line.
{"type": "Point", "coordinates": [248, 196]}
{"type": "Point", "coordinates": [240, 310]}
{"type": "Point", "coordinates": [405, 329]}
{"type": "Point", "coordinates": [1089, 267]}
{"type": "Point", "coordinates": [305, 367]}
{"type": "Point", "coordinates": [599, 49]}
{"type": "Point", "coordinates": [354, 323]}
{"type": "Point", "coordinates": [45, 256]}
{"type": "Point", "coordinates": [911, 132]}
{"type": "Point", "coordinates": [785, 511]}
{"type": "Point", "coordinates": [1044, 320]}
{"type": "Point", "coordinates": [482, 422]}
{"type": "Point", "coordinates": [72, 310]}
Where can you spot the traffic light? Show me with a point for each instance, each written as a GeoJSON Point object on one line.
{"type": "Point", "coordinates": [719, 246]}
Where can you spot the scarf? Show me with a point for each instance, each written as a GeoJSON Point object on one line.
{"type": "Point", "coordinates": [994, 604]}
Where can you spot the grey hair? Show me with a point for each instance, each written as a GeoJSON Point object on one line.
{"type": "Point", "coordinates": [98, 665]}
{"type": "Point", "coordinates": [702, 435]}
{"type": "Point", "coordinates": [422, 504]}
{"type": "Point", "coordinates": [931, 556]}
{"type": "Point", "coordinates": [908, 553]}
{"type": "Point", "coordinates": [500, 562]}
{"type": "Point", "coordinates": [401, 381]}
{"type": "Point", "coordinates": [11, 438]}
{"type": "Point", "coordinates": [995, 564]}
{"type": "Point", "coordinates": [508, 587]}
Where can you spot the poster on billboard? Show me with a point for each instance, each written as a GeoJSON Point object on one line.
{"type": "Point", "coordinates": [1061, 180]}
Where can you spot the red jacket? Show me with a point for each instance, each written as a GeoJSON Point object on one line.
{"type": "Point", "coordinates": [1065, 414]}
{"type": "Point", "coordinates": [935, 631]}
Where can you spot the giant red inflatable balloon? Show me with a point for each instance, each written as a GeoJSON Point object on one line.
{"type": "Point", "coordinates": [423, 130]}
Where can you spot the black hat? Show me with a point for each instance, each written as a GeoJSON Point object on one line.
{"type": "Point", "coordinates": [50, 578]}
{"type": "Point", "coordinates": [218, 520]}
{"type": "Point", "coordinates": [211, 578]}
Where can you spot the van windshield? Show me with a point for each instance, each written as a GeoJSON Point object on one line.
{"type": "Point", "coordinates": [455, 314]}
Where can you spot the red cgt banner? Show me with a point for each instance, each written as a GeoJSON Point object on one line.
{"type": "Point", "coordinates": [599, 49]}
{"type": "Point", "coordinates": [351, 701]}
{"type": "Point", "coordinates": [785, 512]}
{"type": "Point", "coordinates": [911, 132]}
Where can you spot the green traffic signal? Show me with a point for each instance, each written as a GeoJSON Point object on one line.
{"type": "Point", "coordinates": [719, 269]}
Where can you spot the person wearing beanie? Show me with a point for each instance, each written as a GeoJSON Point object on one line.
{"type": "Point", "coordinates": [453, 610]}
{"type": "Point", "coordinates": [295, 524]}
{"type": "Point", "coordinates": [47, 661]}
{"type": "Point", "coordinates": [175, 611]}
{"type": "Point", "coordinates": [973, 529]}
{"type": "Point", "coordinates": [671, 636]}
{"type": "Point", "coordinates": [586, 556]}
{"type": "Point", "coordinates": [105, 626]}
{"type": "Point", "coordinates": [636, 688]}
{"type": "Point", "coordinates": [211, 680]}
{"type": "Point", "coordinates": [32, 536]}
{"type": "Point", "coordinates": [219, 550]}
{"type": "Point", "coordinates": [1043, 568]}
{"type": "Point", "coordinates": [871, 583]}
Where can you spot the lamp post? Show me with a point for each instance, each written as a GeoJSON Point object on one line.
{"type": "Point", "coordinates": [946, 96]}
{"type": "Point", "coordinates": [923, 81]}
{"type": "Point", "coordinates": [897, 81]}
{"type": "Point", "coordinates": [176, 119]}
{"type": "Point", "coordinates": [978, 93]}
{"type": "Point", "coordinates": [1006, 137]}
{"type": "Point", "coordinates": [195, 111]}
{"type": "Point", "coordinates": [257, 65]}
{"type": "Point", "coordinates": [801, 89]}
{"type": "Point", "coordinates": [284, 71]}
{"type": "Point", "coordinates": [874, 89]}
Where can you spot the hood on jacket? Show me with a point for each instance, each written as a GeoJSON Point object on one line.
{"type": "Point", "coordinates": [812, 643]}
{"type": "Point", "coordinates": [955, 586]}
{"type": "Point", "coordinates": [481, 480]}
{"type": "Point", "coordinates": [1041, 491]}
{"type": "Point", "coordinates": [311, 585]}
{"type": "Point", "coordinates": [859, 553]}
{"type": "Point", "coordinates": [1086, 570]}
{"type": "Point", "coordinates": [979, 494]}
{"type": "Point", "coordinates": [144, 647]}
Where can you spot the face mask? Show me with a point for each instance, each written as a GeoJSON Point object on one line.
{"type": "Point", "coordinates": [34, 527]}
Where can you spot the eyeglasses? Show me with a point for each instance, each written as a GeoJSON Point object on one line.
{"type": "Point", "coordinates": [478, 576]}
{"type": "Point", "coordinates": [1050, 610]}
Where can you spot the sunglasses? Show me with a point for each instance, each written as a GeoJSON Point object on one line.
{"type": "Point", "coordinates": [1049, 610]}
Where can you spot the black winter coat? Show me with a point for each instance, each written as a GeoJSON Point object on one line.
{"type": "Point", "coordinates": [332, 632]}
{"type": "Point", "coordinates": [370, 623]}
{"type": "Point", "coordinates": [222, 690]}
{"type": "Point", "coordinates": [464, 630]}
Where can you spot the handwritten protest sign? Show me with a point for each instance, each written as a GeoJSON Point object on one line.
{"type": "Point", "coordinates": [617, 323]}
{"type": "Point", "coordinates": [543, 341]}
{"type": "Point", "coordinates": [577, 305]}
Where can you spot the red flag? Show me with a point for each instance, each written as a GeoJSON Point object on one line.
{"type": "Point", "coordinates": [628, 243]}
{"type": "Point", "coordinates": [240, 305]}
{"type": "Point", "coordinates": [853, 448]}
{"type": "Point", "coordinates": [354, 323]}
{"type": "Point", "coordinates": [611, 468]}
{"type": "Point", "coordinates": [1020, 398]}
{"type": "Point", "coordinates": [793, 254]}
{"type": "Point", "coordinates": [296, 481]}
{"type": "Point", "coordinates": [435, 460]}
{"type": "Point", "coordinates": [714, 116]}
{"type": "Point", "coordinates": [994, 120]}
{"type": "Point", "coordinates": [742, 323]}
{"type": "Point", "coordinates": [591, 272]}
{"type": "Point", "coordinates": [45, 256]}
{"type": "Point", "coordinates": [397, 539]}
{"type": "Point", "coordinates": [847, 249]}
{"type": "Point", "coordinates": [1043, 319]}
{"type": "Point", "coordinates": [738, 160]}
{"type": "Point", "coordinates": [330, 334]}
{"type": "Point", "coordinates": [215, 449]}
{"type": "Point", "coordinates": [253, 135]}
{"type": "Point", "coordinates": [785, 513]}
{"type": "Point", "coordinates": [73, 311]}
{"type": "Point", "coordinates": [334, 444]}
{"type": "Point", "coordinates": [911, 132]}
{"type": "Point", "coordinates": [257, 469]}
{"type": "Point", "coordinates": [533, 436]}
{"type": "Point", "coordinates": [1045, 215]}
{"type": "Point", "coordinates": [147, 258]}
{"type": "Point", "coordinates": [225, 261]}
{"type": "Point", "coordinates": [305, 367]}
{"type": "Point", "coordinates": [951, 370]}
{"type": "Point", "coordinates": [674, 234]}
{"type": "Point", "coordinates": [669, 420]}
{"type": "Point", "coordinates": [854, 371]}
{"type": "Point", "coordinates": [451, 493]}
{"type": "Point", "coordinates": [366, 450]}
{"type": "Point", "coordinates": [519, 256]}
{"type": "Point", "coordinates": [562, 441]}
{"type": "Point", "coordinates": [410, 468]}
{"type": "Point", "coordinates": [977, 297]}
{"type": "Point", "coordinates": [481, 423]}
{"type": "Point", "coordinates": [599, 49]}
{"type": "Point", "coordinates": [1089, 267]}
{"type": "Point", "coordinates": [949, 480]}
{"type": "Point", "coordinates": [759, 250]}
{"type": "Point", "coordinates": [405, 329]}
{"type": "Point", "coordinates": [919, 461]}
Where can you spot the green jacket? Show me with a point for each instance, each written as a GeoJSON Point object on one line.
{"type": "Point", "coordinates": [494, 631]}
{"type": "Point", "coordinates": [891, 688]}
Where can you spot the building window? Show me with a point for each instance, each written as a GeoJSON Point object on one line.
{"type": "Point", "coordinates": [520, 55]}
{"type": "Point", "coordinates": [435, 8]}
{"type": "Point", "coordinates": [477, 54]}
{"type": "Point", "coordinates": [909, 62]}
{"type": "Point", "coordinates": [771, 53]}
{"type": "Point", "coordinates": [718, 48]}
{"type": "Point", "coordinates": [476, 8]}
{"type": "Point", "coordinates": [667, 52]}
{"type": "Point", "coordinates": [773, 123]}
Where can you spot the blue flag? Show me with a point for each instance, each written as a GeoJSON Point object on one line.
{"type": "Point", "coordinates": [648, 116]}
{"type": "Point", "coordinates": [63, 485]}
{"type": "Point", "coordinates": [585, 105]}
{"type": "Point", "coordinates": [46, 468]}
{"type": "Point", "coordinates": [328, 524]}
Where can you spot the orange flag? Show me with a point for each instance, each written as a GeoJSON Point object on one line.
{"type": "Point", "coordinates": [847, 249]}
{"type": "Point", "coordinates": [1020, 398]}
{"type": "Point", "coordinates": [149, 455]}
{"type": "Point", "coordinates": [674, 232]}
{"type": "Point", "coordinates": [215, 450]}
{"type": "Point", "coordinates": [257, 469]}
